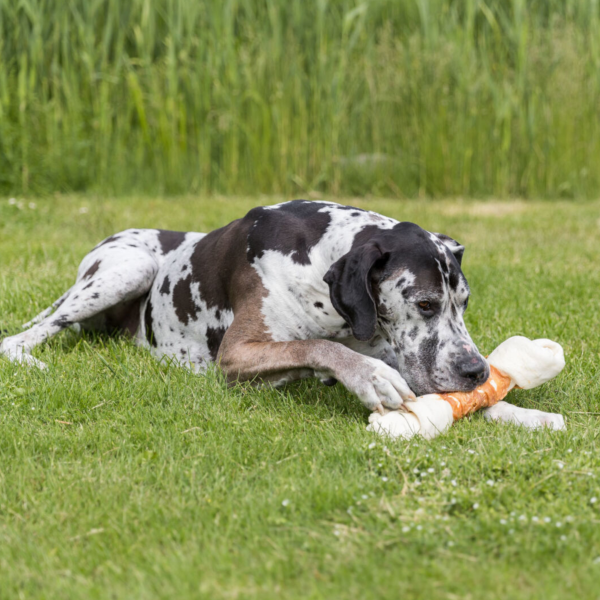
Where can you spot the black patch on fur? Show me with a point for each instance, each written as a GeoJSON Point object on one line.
{"type": "Point", "coordinates": [63, 321]}
{"type": "Point", "coordinates": [148, 322]}
{"type": "Point", "coordinates": [214, 337]}
{"type": "Point", "coordinates": [170, 240]}
{"type": "Point", "coordinates": [214, 274]}
{"type": "Point", "coordinates": [318, 305]}
{"type": "Point", "coordinates": [292, 229]}
{"type": "Point", "coordinates": [165, 288]}
{"type": "Point", "coordinates": [92, 270]}
{"type": "Point", "coordinates": [89, 285]}
{"type": "Point", "coordinates": [183, 303]}
{"type": "Point", "coordinates": [95, 295]}
{"type": "Point", "coordinates": [108, 240]}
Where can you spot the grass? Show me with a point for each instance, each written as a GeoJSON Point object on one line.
{"type": "Point", "coordinates": [388, 97]}
{"type": "Point", "coordinates": [124, 478]}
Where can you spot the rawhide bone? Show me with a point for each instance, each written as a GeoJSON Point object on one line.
{"type": "Point", "coordinates": [517, 362]}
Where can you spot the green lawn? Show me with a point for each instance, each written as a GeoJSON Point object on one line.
{"type": "Point", "coordinates": [124, 478]}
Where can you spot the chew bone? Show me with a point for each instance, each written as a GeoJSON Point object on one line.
{"type": "Point", "coordinates": [517, 362]}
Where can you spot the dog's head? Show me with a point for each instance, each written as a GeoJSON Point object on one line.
{"type": "Point", "coordinates": [407, 284]}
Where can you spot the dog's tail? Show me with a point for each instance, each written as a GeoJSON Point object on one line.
{"type": "Point", "coordinates": [47, 311]}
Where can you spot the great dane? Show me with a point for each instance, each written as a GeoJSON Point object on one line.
{"type": "Point", "coordinates": [299, 289]}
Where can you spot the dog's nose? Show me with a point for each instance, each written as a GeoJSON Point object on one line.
{"type": "Point", "coordinates": [474, 369]}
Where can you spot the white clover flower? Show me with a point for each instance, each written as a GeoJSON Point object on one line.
{"type": "Point", "coordinates": [511, 531]}
{"type": "Point", "coordinates": [419, 527]}
{"type": "Point", "coordinates": [563, 538]}
{"type": "Point", "coordinates": [405, 529]}
{"type": "Point", "coordinates": [476, 506]}
{"type": "Point", "coordinates": [558, 524]}
{"type": "Point", "coordinates": [593, 500]}
{"type": "Point", "coordinates": [522, 518]}
{"type": "Point", "coordinates": [416, 471]}
{"type": "Point", "coordinates": [490, 482]}
{"type": "Point", "coordinates": [286, 502]}
{"type": "Point", "coordinates": [534, 519]}
{"type": "Point", "coordinates": [471, 451]}
{"type": "Point", "coordinates": [364, 496]}
{"type": "Point", "coordinates": [453, 482]}
{"type": "Point", "coordinates": [596, 561]}
{"type": "Point", "coordinates": [443, 464]}
{"type": "Point", "coordinates": [430, 470]}
{"type": "Point", "coordinates": [32, 205]}
{"type": "Point", "coordinates": [450, 543]}
{"type": "Point", "coordinates": [547, 519]}
{"type": "Point", "coordinates": [503, 521]}
{"type": "Point", "coordinates": [83, 210]}
{"type": "Point", "coordinates": [384, 479]}
{"type": "Point", "coordinates": [12, 201]}
{"type": "Point", "coordinates": [570, 450]}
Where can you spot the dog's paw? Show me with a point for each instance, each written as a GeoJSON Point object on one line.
{"type": "Point", "coordinates": [378, 385]}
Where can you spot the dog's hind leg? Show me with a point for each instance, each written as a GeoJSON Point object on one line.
{"type": "Point", "coordinates": [107, 292]}
{"type": "Point", "coordinates": [48, 311]}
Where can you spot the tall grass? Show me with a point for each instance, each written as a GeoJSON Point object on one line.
{"type": "Point", "coordinates": [400, 97]}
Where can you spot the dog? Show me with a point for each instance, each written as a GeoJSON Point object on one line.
{"type": "Point", "coordinates": [299, 289]}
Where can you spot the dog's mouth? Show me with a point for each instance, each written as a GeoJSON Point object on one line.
{"type": "Point", "coordinates": [445, 387]}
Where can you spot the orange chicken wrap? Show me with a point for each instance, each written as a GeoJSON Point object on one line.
{"type": "Point", "coordinates": [493, 390]}
{"type": "Point", "coordinates": [517, 362]}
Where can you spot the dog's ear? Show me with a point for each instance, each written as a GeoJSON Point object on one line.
{"type": "Point", "coordinates": [457, 249]}
{"type": "Point", "coordinates": [351, 288]}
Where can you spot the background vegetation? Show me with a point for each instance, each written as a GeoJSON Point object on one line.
{"type": "Point", "coordinates": [395, 97]}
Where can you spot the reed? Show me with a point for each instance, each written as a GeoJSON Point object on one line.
{"type": "Point", "coordinates": [387, 97]}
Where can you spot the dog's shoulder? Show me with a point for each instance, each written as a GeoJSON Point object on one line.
{"type": "Point", "coordinates": [294, 228]}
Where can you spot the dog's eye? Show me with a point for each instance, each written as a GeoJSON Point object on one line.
{"type": "Point", "coordinates": [425, 305]}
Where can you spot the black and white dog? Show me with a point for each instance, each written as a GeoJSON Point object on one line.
{"type": "Point", "coordinates": [295, 290]}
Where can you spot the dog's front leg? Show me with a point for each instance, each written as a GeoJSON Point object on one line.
{"type": "Point", "coordinates": [375, 383]}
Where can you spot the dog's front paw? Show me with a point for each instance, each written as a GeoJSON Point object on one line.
{"type": "Point", "coordinates": [378, 385]}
